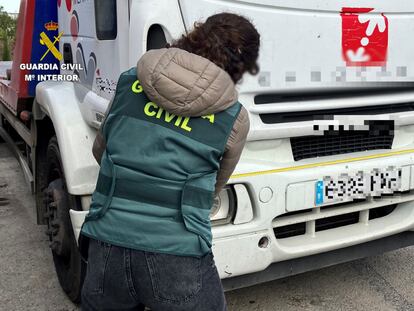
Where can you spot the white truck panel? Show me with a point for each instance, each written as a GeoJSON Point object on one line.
{"type": "Point", "coordinates": [102, 60]}
{"type": "Point", "coordinates": [399, 6]}
{"type": "Point", "coordinates": [61, 103]}
{"type": "Point", "coordinates": [301, 42]}
{"type": "Point", "coordinates": [165, 13]}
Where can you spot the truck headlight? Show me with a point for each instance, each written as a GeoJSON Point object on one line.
{"type": "Point", "coordinates": [223, 208]}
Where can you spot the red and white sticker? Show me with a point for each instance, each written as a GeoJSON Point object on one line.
{"type": "Point", "coordinates": [364, 37]}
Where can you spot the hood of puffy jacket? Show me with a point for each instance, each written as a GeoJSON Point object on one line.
{"type": "Point", "coordinates": [185, 84]}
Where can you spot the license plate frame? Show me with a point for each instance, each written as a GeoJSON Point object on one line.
{"type": "Point", "coordinates": [348, 187]}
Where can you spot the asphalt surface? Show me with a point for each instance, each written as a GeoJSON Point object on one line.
{"type": "Point", "coordinates": [28, 280]}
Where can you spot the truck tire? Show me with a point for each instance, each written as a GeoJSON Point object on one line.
{"type": "Point", "coordinates": [70, 269]}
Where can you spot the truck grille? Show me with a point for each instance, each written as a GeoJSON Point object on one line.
{"type": "Point", "coordinates": [294, 224]}
{"type": "Point", "coordinates": [341, 142]}
{"type": "Point", "coordinates": [319, 146]}
{"type": "Point", "coordinates": [263, 99]}
{"type": "Point", "coordinates": [327, 114]}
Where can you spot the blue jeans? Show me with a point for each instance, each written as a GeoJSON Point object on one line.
{"type": "Point", "coordinates": [119, 278]}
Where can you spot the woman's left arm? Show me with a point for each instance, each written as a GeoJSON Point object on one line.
{"type": "Point", "coordinates": [234, 148]}
{"type": "Point", "coordinates": [99, 144]}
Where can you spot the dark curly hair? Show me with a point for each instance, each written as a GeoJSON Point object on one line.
{"type": "Point", "coordinates": [228, 40]}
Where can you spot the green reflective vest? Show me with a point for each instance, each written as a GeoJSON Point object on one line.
{"type": "Point", "coordinates": [156, 183]}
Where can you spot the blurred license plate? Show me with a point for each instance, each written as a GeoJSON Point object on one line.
{"type": "Point", "coordinates": [348, 187]}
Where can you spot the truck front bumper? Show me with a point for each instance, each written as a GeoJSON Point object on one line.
{"type": "Point", "coordinates": [239, 249]}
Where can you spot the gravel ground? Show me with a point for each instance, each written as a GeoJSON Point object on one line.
{"type": "Point", "coordinates": [28, 280]}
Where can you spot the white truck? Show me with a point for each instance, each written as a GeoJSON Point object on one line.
{"type": "Point", "coordinates": [327, 174]}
